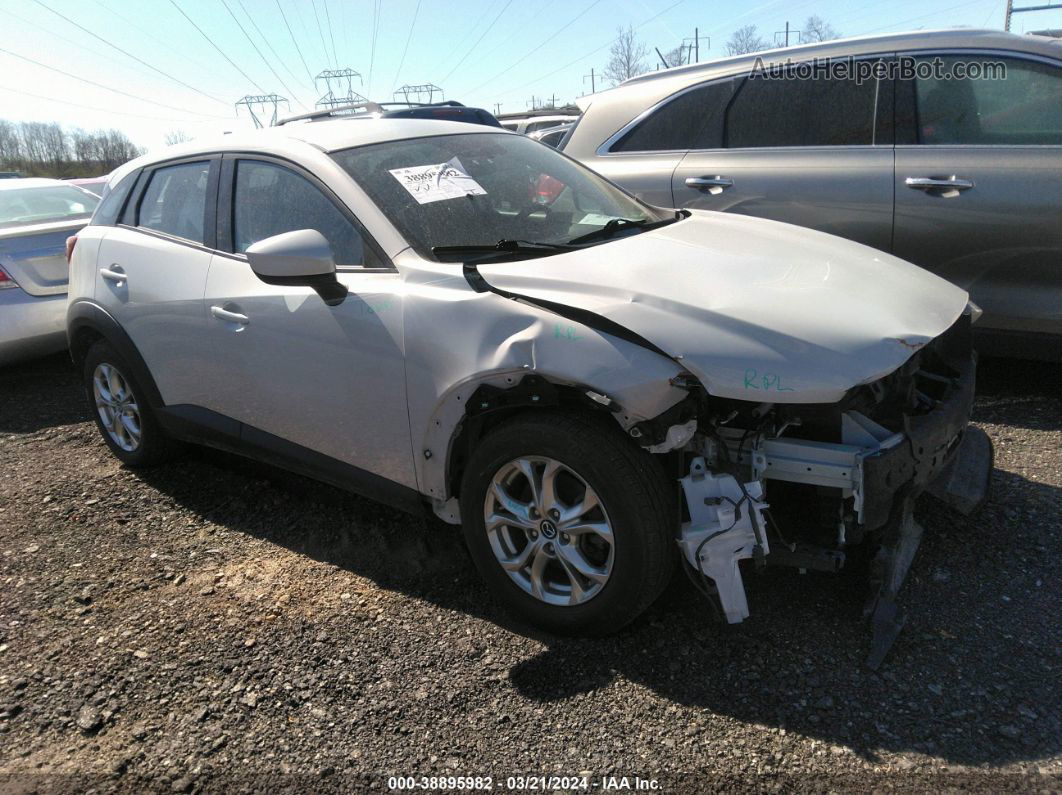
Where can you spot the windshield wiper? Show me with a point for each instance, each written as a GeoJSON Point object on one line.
{"type": "Point", "coordinates": [619, 224]}
{"type": "Point", "coordinates": [504, 248]}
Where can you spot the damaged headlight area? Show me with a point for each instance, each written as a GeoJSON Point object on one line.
{"type": "Point", "coordinates": [800, 485]}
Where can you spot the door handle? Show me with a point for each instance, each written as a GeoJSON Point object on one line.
{"type": "Point", "coordinates": [229, 317]}
{"type": "Point", "coordinates": [116, 276]}
{"type": "Point", "coordinates": [713, 185]}
{"type": "Point", "coordinates": [933, 183]}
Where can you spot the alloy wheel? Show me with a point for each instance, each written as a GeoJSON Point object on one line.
{"type": "Point", "coordinates": [117, 406]}
{"type": "Point", "coordinates": [549, 531]}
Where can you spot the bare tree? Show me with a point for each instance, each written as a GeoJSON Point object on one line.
{"type": "Point", "coordinates": [817, 29]}
{"type": "Point", "coordinates": [680, 56]}
{"type": "Point", "coordinates": [626, 57]}
{"type": "Point", "coordinates": [745, 40]}
{"type": "Point", "coordinates": [177, 137]}
{"type": "Point", "coordinates": [43, 149]}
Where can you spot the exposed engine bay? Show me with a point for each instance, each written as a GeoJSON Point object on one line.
{"type": "Point", "coordinates": [802, 485]}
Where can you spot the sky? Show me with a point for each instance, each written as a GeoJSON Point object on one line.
{"type": "Point", "coordinates": [143, 67]}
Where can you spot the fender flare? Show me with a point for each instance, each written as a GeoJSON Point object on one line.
{"type": "Point", "coordinates": [84, 315]}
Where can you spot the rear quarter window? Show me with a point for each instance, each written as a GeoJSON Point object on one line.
{"type": "Point", "coordinates": [110, 208]}
{"type": "Point", "coordinates": [692, 120]}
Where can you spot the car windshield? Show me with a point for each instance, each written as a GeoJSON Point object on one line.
{"type": "Point", "coordinates": [481, 188]}
{"type": "Point", "coordinates": [48, 203]}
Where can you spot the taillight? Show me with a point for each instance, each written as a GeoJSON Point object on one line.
{"type": "Point", "coordinates": [6, 281]}
{"type": "Point", "coordinates": [70, 243]}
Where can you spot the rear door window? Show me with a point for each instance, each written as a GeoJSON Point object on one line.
{"type": "Point", "coordinates": [789, 110]}
{"type": "Point", "coordinates": [175, 200]}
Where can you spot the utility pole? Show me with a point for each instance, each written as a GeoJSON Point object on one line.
{"type": "Point", "coordinates": [593, 83]}
{"type": "Point", "coordinates": [779, 33]}
{"type": "Point", "coordinates": [663, 60]}
{"type": "Point", "coordinates": [497, 108]}
{"type": "Point", "coordinates": [1011, 10]}
{"type": "Point", "coordinates": [553, 100]}
{"type": "Point", "coordinates": [695, 44]}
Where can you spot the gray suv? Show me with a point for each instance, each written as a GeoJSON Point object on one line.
{"type": "Point", "coordinates": [923, 150]}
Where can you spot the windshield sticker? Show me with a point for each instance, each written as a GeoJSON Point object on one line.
{"type": "Point", "coordinates": [597, 219]}
{"type": "Point", "coordinates": [438, 182]}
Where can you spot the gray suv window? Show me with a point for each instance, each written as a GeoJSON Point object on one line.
{"type": "Point", "coordinates": [790, 111]}
{"type": "Point", "coordinates": [270, 200]}
{"type": "Point", "coordinates": [692, 120]}
{"type": "Point", "coordinates": [174, 201]}
{"type": "Point", "coordinates": [1025, 107]}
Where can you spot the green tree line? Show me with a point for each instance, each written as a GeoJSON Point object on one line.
{"type": "Point", "coordinates": [47, 149]}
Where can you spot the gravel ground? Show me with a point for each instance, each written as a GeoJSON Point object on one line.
{"type": "Point", "coordinates": [221, 625]}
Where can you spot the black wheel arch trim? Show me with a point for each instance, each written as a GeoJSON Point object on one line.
{"type": "Point", "coordinates": [82, 315]}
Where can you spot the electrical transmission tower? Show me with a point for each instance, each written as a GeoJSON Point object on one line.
{"type": "Point", "coordinates": [419, 92]}
{"type": "Point", "coordinates": [338, 88]}
{"type": "Point", "coordinates": [258, 105]}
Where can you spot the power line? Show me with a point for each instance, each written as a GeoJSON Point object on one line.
{"type": "Point", "coordinates": [128, 54]}
{"type": "Point", "coordinates": [89, 107]}
{"type": "Point", "coordinates": [291, 33]}
{"type": "Point", "coordinates": [147, 33]}
{"type": "Point", "coordinates": [108, 88]}
{"type": "Point", "coordinates": [328, 18]}
{"type": "Point", "coordinates": [320, 32]}
{"type": "Point", "coordinates": [79, 44]}
{"type": "Point", "coordinates": [243, 30]}
{"type": "Point", "coordinates": [544, 42]}
{"type": "Point", "coordinates": [375, 31]}
{"type": "Point", "coordinates": [484, 33]}
{"type": "Point", "coordinates": [267, 44]}
{"type": "Point", "coordinates": [586, 55]}
{"type": "Point", "coordinates": [923, 16]}
{"type": "Point", "coordinates": [405, 49]}
{"type": "Point", "coordinates": [216, 47]}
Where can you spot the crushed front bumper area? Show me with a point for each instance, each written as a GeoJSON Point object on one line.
{"type": "Point", "coordinates": [874, 473]}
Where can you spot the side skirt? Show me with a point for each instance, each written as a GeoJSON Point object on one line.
{"type": "Point", "coordinates": [201, 426]}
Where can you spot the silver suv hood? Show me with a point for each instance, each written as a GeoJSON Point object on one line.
{"type": "Point", "coordinates": [757, 310]}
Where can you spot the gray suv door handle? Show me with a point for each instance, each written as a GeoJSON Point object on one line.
{"type": "Point", "coordinates": [229, 317]}
{"type": "Point", "coordinates": [711, 184]}
{"type": "Point", "coordinates": [113, 274]}
{"type": "Point", "coordinates": [932, 183]}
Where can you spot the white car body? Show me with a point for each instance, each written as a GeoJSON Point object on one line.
{"type": "Point", "coordinates": [756, 312]}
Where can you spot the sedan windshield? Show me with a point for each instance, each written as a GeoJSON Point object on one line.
{"type": "Point", "coordinates": [49, 203]}
{"type": "Point", "coordinates": [470, 190]}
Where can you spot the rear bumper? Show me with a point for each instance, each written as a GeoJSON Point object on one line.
{"type": "Point", "coordinates": [30, 326]}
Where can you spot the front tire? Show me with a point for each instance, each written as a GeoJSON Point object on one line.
{"type": "Point", "coordinates": [568, 522]}
{"type": "Point", "coordinates": [124, 418]}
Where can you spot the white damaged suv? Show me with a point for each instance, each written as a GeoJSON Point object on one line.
{"type": "Point", "coordinates": [442, 316]}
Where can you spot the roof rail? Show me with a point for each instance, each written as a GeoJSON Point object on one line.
{"type": "Point", "coordinates": [368, 107]}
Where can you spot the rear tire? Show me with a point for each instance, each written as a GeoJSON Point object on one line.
{"type": "Point", "coordinates": [119, 405]}
{"type": "Point", "coordinates": [549, 561]}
